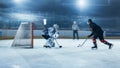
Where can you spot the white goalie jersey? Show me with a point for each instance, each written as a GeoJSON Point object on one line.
{"type": "Point", "coordinates": [53, 33]}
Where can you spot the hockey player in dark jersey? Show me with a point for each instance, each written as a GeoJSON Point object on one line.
{"type": "Point", "coordinates": [97, 32]}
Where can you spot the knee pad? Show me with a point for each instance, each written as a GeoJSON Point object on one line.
{"type": "Point", "coordinates": [94, 40]}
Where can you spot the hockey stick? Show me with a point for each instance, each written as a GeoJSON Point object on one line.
{"type": "Point", "coordinates": [60, 46]}
{"type": "Point", "coordinates": [82, 43]}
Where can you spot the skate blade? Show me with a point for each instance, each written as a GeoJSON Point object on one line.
{"type": "Point", "coordinates": [94, 48]}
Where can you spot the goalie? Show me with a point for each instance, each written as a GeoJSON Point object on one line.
{"type": "Point", "coordinates": [50, 34]}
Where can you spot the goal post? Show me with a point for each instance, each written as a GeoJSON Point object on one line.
{"type": "Point", "coordinates": [24, 36]}
{"type": "Point", "coordinates": [32, 34]}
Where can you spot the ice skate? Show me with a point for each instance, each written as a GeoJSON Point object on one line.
{"type": "Point", "coordinates": [46, 46]}
{"type": "Point", "coordinates": [110, 46]}
{"type": "Point", "coordinates": [94, 47]}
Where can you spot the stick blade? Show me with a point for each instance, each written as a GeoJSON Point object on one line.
{"type": "Point", "coordinates": [79, 45]}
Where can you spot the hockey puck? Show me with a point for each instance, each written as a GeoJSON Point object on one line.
{"type": "Point", "coordinates": [60, 46]}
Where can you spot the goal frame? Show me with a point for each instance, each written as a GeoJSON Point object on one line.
{"type": "Point", "coordinates": [31, 37]}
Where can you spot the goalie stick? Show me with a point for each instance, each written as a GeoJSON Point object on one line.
{"type": "Point", "coordinates": [58, 44]}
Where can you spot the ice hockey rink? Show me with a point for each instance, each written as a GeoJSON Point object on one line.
{"type": "Point", "coordinates": [70, 56]}
{"type": "Point", "coordinates": [28, 22]}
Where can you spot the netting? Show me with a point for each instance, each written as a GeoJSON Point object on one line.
{"type": "Point", "coordinates": [24, 36]}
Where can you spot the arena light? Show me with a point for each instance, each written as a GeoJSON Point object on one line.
{"type": "Point", "coordinates": [19, 2]}
{"type": "Point", "coordinates": [44, 21]}
{"type": "Point", "coordinates": [82, 3]}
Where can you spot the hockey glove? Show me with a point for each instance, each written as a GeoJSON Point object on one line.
{"type": "Point", "coordinates": [89, 36]}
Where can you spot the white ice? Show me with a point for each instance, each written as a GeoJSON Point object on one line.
{"type": "Point", "coordinates": [70, 56]}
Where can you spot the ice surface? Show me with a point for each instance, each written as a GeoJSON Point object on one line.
{"type": "Point", "coordinates": [70, 56]}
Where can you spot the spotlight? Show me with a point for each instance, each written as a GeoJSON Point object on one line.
{"type": "Point", "coordinates": [82, 3]}
{"type": "Point", "coordinates": [19, 1]}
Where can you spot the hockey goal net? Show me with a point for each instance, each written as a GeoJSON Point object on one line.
{"type": "Point", "coordinates": [24, 36]}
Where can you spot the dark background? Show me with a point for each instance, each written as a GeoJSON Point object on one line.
{"type": "Point", "coordinates": [106, 13]}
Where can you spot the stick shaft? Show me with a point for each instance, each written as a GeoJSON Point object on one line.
{"type": "Point", "coordinates": [83, 42]}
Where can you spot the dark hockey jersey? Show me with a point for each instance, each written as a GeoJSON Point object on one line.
{"type": "Point", "coordinates": [95, 29]}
